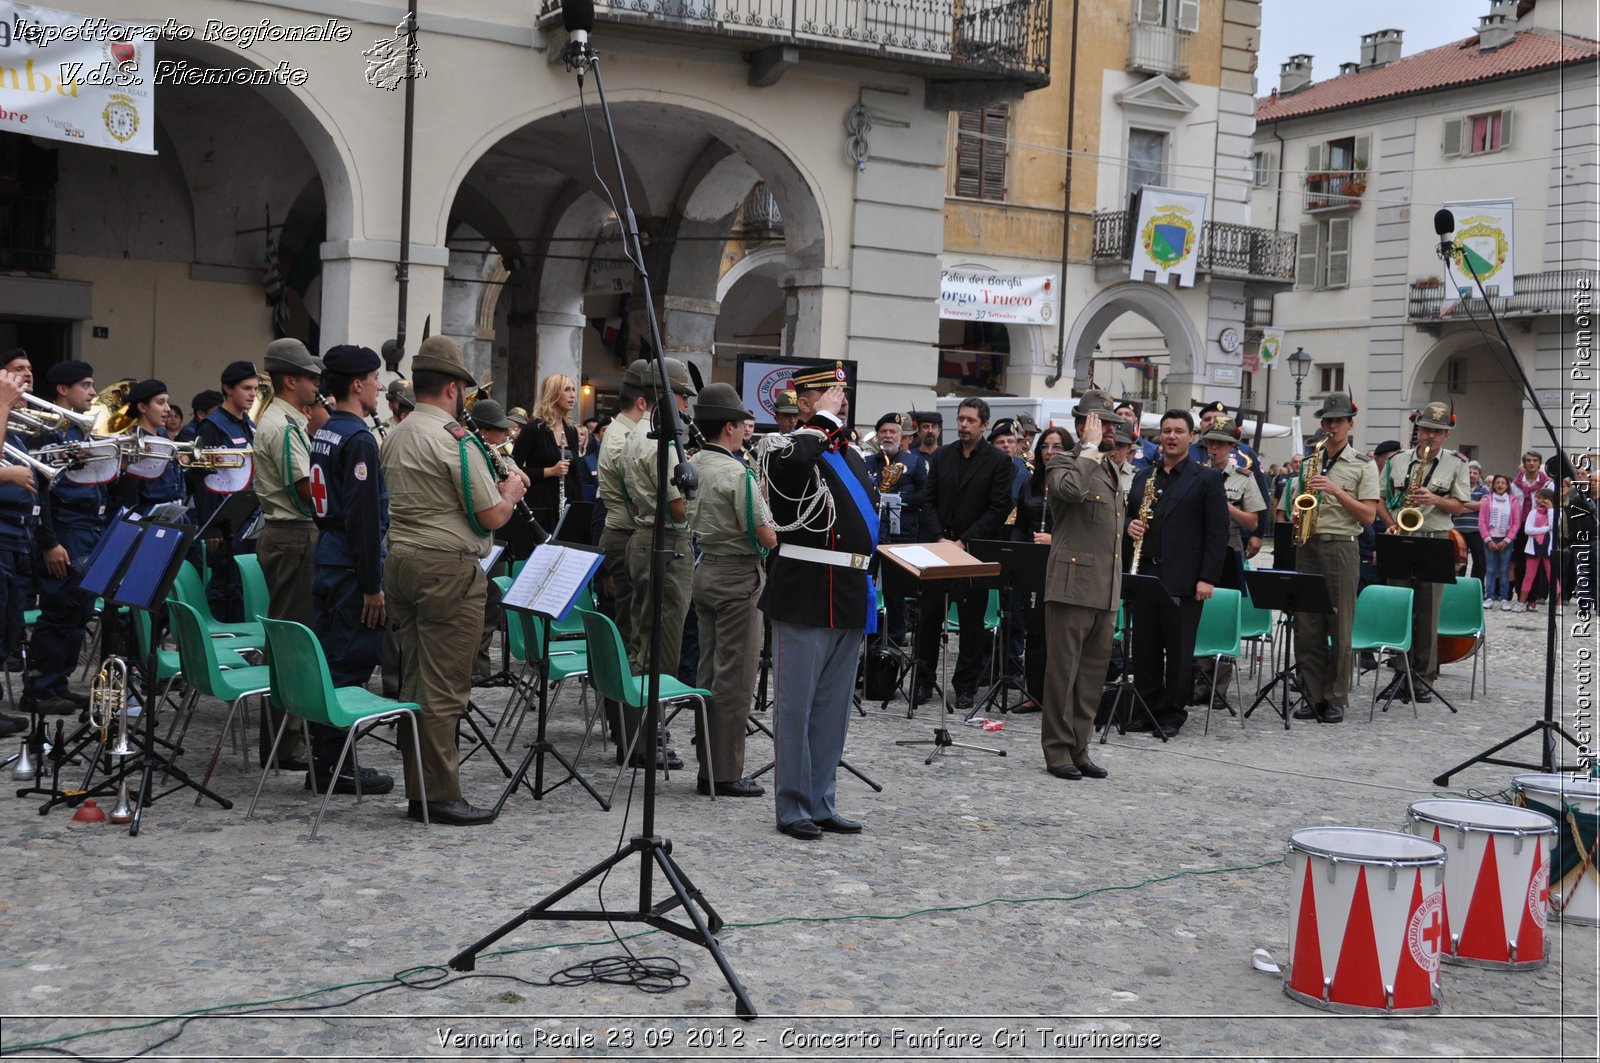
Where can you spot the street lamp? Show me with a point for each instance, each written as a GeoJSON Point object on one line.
{"type": "Point", "coordinates": [1300, 367]}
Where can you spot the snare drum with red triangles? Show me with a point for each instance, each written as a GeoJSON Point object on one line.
{"type": "Point", "coordinates": [1496, 892]}
{"type": "Point", "coordinates": [1366, 920]}
{"type": "Point", "coordinates": [1573, 801]}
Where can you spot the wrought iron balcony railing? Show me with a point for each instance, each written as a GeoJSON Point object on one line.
{"type": "Point", "coordinates": [1335, 189]}
{"type": "Point", "coordinates": [965, 38]}
{"type": "Point", "coordinates": [1225, 249]}
{"type": "Point", "coordinates": [1537, 295]}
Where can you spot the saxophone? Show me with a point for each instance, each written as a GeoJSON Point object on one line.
{"type": "Point", "coordinates": [1409, 519]}
{"type": "Point", "coordinates": [1306, 503]}
{"type": "Point", "coordinates": [1147, 511]}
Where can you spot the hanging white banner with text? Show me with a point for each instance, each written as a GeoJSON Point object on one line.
{"type": "Point", "coordinates": [1166, 235]}
{"type": "Point", "coordinates": [1485, 237]}
{"type": "Point", "coordinates": [65, 76]}
{"type": "Point", "coordinates": [970, 294]}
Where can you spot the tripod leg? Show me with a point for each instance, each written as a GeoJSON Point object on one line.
{"type": "Point", "coordinates": [675, 879]}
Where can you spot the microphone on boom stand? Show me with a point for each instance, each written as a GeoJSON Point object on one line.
{"type": "Point", "coordinates": [1444, 223]}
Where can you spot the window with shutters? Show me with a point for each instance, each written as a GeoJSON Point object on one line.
{"type": "Point", "coordinates": [1478, 134]}
{"type": "Point", "coordinates": [1264, 165]}
{"type": "Point", "coordinates": [980, 170]}
{"type": "Point", "coordinates": [1178, 14]}
{"type": "Point", "coordinates": [1336, 173]}
{"type": "Point", "coordinates": [1323, 255]}
{"type": "Point", "coordinates": [1330, 378]}
{"type": "Point", "coordinates": [1147, 158]}
{"type": "Point", "coordinates": [1158, 38]}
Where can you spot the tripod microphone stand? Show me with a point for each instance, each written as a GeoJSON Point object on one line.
{"type": "Point", "coordinates": [654, 852]}
{"type": "Point", "coordinates": [1546, 727]}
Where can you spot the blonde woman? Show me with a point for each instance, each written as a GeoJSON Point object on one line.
{"type": "Point", "coordinates": [547, 450]}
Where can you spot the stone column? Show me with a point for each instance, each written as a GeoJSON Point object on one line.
{"type": "Point", "coordinates": [359, 293]}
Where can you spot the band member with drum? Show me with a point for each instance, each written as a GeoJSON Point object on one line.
{"type": "Point", "coordinates": [1185, 545]}
{"type": "Point", "coordinates": [73, 515]}
{"type": "Point", "coordinates": [819, 600]}
{"type": "Point", "coordinates": [901, 475]}
{"type": "Point", "coordinates": [283, 488]}
{"type": "Point", "coordinates": [1443, 491]}
{"type": "Point", "coordinates": [351, 505]}
{"type": "Point", "coordinates": [735, 532]}
{"type": "Point", "coordinates": [1347, 498]}
{"type": "Point", "coordinates": [446, 500]}
{"type": "Point", "coordinates": [152, 479]}
{"type": "Point", "coordinates": [228, 428]}
{"type": "Point", "coordinates": [1083, 587]}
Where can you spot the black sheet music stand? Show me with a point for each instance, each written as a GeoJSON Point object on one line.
{"type": "Point", "coordinates": [1415, 560]}
{"type": "Point", "coordinates": [1022, 567]}
{"type": "Point", "coordinates": [1289, 593]}
{"type": "Point", "coordinates": [1136, 589]}
{"type": "Point", "coordinates": [574, 525]}
{"type": "Point", "coordinates": [546, 589]}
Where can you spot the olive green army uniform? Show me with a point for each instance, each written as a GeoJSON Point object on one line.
{"type": "Point", "coordinates": [1322, 643]}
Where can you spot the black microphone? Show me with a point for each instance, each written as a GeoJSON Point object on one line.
{"type": "Point", "coordinates": [577, 18]}
{"type": "Point", "coordinates": [1444, 223]}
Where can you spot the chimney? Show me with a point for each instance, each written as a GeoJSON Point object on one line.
{"type": "Point", "coordinates": [1294, 75]}
{"type": "Point", "coordinates": [1380, 48]}
{"type": "Point", "coordinates": [1499, 26]}
{"type": "Point", "coordinates": [1348, 68]}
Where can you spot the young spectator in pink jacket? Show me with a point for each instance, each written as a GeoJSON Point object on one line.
{"type": "Point", "coordinates": [1499, 519]}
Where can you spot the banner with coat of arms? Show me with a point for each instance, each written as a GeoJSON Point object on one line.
{"type": "Point", "coordinates": [1271, 345]}
{"type": "Point", "coordinates": [65, 76]}
{"type": "Point", "coordinates": [1166, 236]}
{"type": "Point", "coordinates": [1485, 238]}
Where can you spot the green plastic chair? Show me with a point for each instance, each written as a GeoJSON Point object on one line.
{"type": "Point", "coordinates": [1383, 625]}
{"type": "Point", "coordinates": [254, 582]}
{"type": "Point", "coordinates": [203, 672]}
{"type": "Point", "coordinates": [525, 637]}
{"type": "Point", "coordinates": [1219, 637]}
{"type": "Point", "coordinates": [1256, 627]}
{"type": "Point", "coordinates": [609, 672]}
{"type": "Point", "coordinates": [1461, 616]}
{"type": "Point", "coordinates": [302, 686]}
{"type": "Point", "coordinates": [188, 589]}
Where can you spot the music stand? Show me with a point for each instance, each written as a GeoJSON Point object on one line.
{"type": "Point", "coordinates": [574, 525]}
{"type": "Point", "coordinates": [1135, 589]}
{"type": "Point", "coordinates": [1022, 565]}
{"type": "Point", "coordinates": [1289, 593]}
{"type": "Point", "coordinates": [1415, 560]}
{"type": "Point", "coordinates": [546, 589]}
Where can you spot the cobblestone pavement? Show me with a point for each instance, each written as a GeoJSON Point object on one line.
{"type": "Point", "coordinates": [988, 910]}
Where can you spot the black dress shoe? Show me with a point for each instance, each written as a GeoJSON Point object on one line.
{"type": "Point", "coordinates": [48, 705]}
{"type": "Point", "coordinates": [672, 761]}
{"type": "Point", "coordinates": [1305, 712]}
{"type": "Point", "coordinates": [80, 700]}
{"type": "Point", "coordinates": [1065, 771]}
{"type": "Point", "coordinates": [1025, 707]}
{"type": "Point", "coordinates": [738, 788]}
{"type": "Point", "coordinates": [1395, 689]}
{"type": "Point", "coordinates": [801, 828]}
{"type": "Point", "coordinates": [964, 701]}
{"type": "Point", "coordinates": [294, 763]}
{"type": "Point", "coordinates": [1331, 714]}
{"type": "Point", "coordinates": [457, 813]}
{"type": "Point", "coordinates": [1091, 770]}
{"type": "Point", "coordinates": [839, 825]}
{"type": "Point", "coordinates": [1138, 725]}
{"type": "Point", "coordinates": [1421, 697]}
{"type": "Point", "coordinates": [374, 783]}
{"type": "Point", "coordinates": [922, 694]}
{"type": "Point", "coordinates": [12, 725]}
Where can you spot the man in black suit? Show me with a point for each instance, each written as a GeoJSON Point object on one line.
{"type": "Point", "coordinates": [1185, 542]}
{"type": "Point", "coordinates": [968, 498]}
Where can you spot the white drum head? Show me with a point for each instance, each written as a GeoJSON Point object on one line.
{"type": "Point", "coordinates": [1482, 815]}
{"type": "Point", "coordinates": [1573, 789]}
{"type": "Point", "coordinates": [1362, 845]}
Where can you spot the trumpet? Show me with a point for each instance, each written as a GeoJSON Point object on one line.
{"type": "Point", "coordinates": [192, 456]}
{"type": "Point", "coordinates": [1409, 519]}
{"type": "Point", "coordinates": [74, 453]}
{"type": "Point", "coordinates": [15, 455]}
{"type": "Point", "coordinates": [59, 418]}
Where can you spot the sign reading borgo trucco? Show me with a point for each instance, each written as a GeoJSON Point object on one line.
{"type": "Point", "coordinates": [967, 294]}
{"type": "Point", "coordinates": [77, 78]}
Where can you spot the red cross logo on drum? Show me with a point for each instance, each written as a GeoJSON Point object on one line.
{"type": "Point", "coordinates": [1425, 935]}
{"type": "Point", "coordinates": [1433, 932]}
{"type": "Point", "coordinates": [319, 491]}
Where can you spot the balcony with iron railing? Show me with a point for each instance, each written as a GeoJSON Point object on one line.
{"type": "Point", "coordinates": [1156, 49]}
{"type": "Point", "coordinates": [1537, 295]}
{"type": "Point", "coordinates": [950, 39]}
{"type": "Point", "coordinates": [1328, 190]}
{"type": "Point", "coordinates": [1226, 250]}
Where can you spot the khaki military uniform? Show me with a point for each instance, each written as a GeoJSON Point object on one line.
{"type": "Point", "coordinates": [1322, 643]}
{"type": "Point", "coordinates": [610, 488]}
{"type": "Point", "coordinates": [639, 476]}
{"type": "Point", "coordinates": [288, 540]}
{"type": "Point", "coordinates": [433, 580]}
{"type": "Point", "coordinates": [1083, 588]}
{"type": "Point", "coordinates": [727, 586]}
{"type": "Point", "coordinates": [1448, 479]}
{"type": "Point", "coordinates": [1242, 493]}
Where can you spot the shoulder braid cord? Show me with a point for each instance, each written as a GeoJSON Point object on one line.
{"type": "Point", "coordinates": [466, 482]}
{"type": "Point", "coordinates": [816, 500]}
{"type": "Point", "coordinates": [290, 429]}
{"type": "Point", "coordinates": [750, 512]}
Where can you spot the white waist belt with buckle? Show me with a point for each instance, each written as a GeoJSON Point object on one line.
{"type": "Point", "coordinates": [839, 558]}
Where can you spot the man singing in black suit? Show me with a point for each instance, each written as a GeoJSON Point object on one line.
{"type": "Point", "coordinates": [1185, 542]}
{"type": "Point", "coordinates": [968, 498]}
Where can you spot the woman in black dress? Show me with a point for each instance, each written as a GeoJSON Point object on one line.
{"type": "Point", "coordinates": [551, 465]}
{"type": "Point", "coordinates": [1033, 525]}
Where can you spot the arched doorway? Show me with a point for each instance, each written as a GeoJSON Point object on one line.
{"type": "Point", "coordinates": [1161, 309]}
{"type": "Point", "coordinates": [1462, 370]}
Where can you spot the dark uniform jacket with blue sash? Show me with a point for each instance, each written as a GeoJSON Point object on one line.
{"type": "Point", "coordinates": [19, 507]}
{"type": "Point", "coordinates": [219, 431]}
{"type": "Point", "coordinates": [349, 499]}
{"type": "Point", "coordinates": [73, 514]}
{"type": "Point", "coordinates": [142, 493]}
{"type": "Point", "coordinates": [807, 592]}
{"type": "Point", "coordinates": [913, 483]}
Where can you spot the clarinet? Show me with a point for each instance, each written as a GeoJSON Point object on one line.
{"type": "Point", "coordinates": [497, 460]}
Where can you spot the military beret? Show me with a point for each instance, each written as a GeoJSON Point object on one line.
{"type": "Point", "coordinates": [928, 417]}
{"type": "Point", "coordinates": [67, 373]}
{"type": "Point", "coordinates": [209, 399]}
{"type": "Point", "coordinates": [348, 359]}
{"type": "Point", "coordinates": [888, 418]}
{"type": "Point", "coordinates": [1003, 427]}
{"type": "Point", "coordinates": [237, 371]}
{"type": "Point", "coordinates": [1388, 446]}
{"type": "Point", "coordinates": [144, 391]}
{"type": "Point", "coordinates": [1213, 407]}
{"type": "Point", "coordinates": [12, 355]}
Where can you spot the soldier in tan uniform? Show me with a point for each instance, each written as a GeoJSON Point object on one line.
{"type": "Point", "coordinates": [735, 530]}
{"type": "Point", "coordinates": [1347, 498]}
{"type": "Point", "coordinates": [1446, 489]}
{"type": "Point", "coordinates": [1245, 503]}
{"type": "Point", "coordinates": [283, 488]}
{"type": "Point", "coordinates": [634, 402]}
{"type": "Point", "coordinates": [638, 468]}
{"type": "Point", "coordinates": [445, 501]}
{"type": "Point", "coordinates": [1083, 587]}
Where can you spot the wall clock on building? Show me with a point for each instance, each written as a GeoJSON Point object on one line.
{"type": "Point", "coordinates": [1229, 340]}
